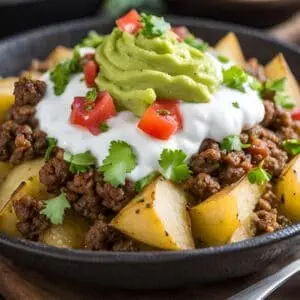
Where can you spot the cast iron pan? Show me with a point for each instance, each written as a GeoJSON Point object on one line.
{"type": "Point", "coordinates": [146, 270]}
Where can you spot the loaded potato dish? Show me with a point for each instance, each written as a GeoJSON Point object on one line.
{"type": "Point", "coordinates": [149, 138]}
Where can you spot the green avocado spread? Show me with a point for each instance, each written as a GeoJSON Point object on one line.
{"type": "Point", "coordinates": [136, 70]}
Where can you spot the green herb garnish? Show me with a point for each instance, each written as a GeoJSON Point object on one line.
{"type": "Point", "coordinates": [104, 127]}
{"type": "Point", "coordinates": [154, 26]}
{"type": "Point", "coordinates": [55, 209]}
{"type": "Point", "coordinates": [143, 182]}
{"type": "Point", "coordinates": [196, 43]}
{"type": "Point", "coordinates": [235, 77]}
{"type": "Point", "coordinates": [120, 161]}
{"type": "Point", "coordinates": [256, 85]}
{"type": "Point", "coordinates": [173, 165]}
{"type": "Point", "coordinates": [51, 145]}
{"type": "Point", "coordinates": [236, 104]}
{"type": "Point", "coordinates": [223, 59]}
{"type": "Point", "coordinates": [60, 75]}
{"type": "Point", "coordinates": [91, 95]}
{"type": "Point", "coordinates": [292, 146]}
{"type": "Point", "coordinates": [92, 40]}
{"type": "Point", "coordinates": [259, 175]}
{"type": "Point", "coordinates": [233, 143]}
{"type": "Point", "coordinates": [79, 163]}
{"type": "Point", "coordinates": [281, 98]}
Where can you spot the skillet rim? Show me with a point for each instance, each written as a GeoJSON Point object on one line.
{"type": "Point", "coordinates": [109, 257]}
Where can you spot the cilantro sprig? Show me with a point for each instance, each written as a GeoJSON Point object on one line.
{"type": "Point", "coordinates": [196, 43]}
{"type": "Point", "coordinates": [91, 95]}
{"type": "Point", "coordinates": [79, 163]}
{"type": "Point", "coordinates": [292, 146]}
{"type": "Point", "coordinates": [233, 143]}
{"type": "Point", "coordinates": [143, 182]}
{"type": "Point", "coordinates": [60, 75]}
{"type": "Point", "coordinates": [120, 161]}
{"type": "Point", "coordinates": [154, 26]}
{"type": "Point", "coordinates": [173, 165]}
{"type": "Point", "coordinates": [92, 40]}
{"type": "Point", "coordinates": [278, 87]}
{"type": "Point", "coordinates": [259, 175]}
{"type": "Point", "coordinates": [235, 77]}
{"type": "Point", "coordinates": [52, 142]}
{"type": "Point", "coordinates": [54, 209]}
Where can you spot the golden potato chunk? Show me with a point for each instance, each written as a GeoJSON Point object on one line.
{"type": "Point", "coordinates": [278, 68]}
{"type": "Point", "coordinates": [158, 217]}
{"type": "Point", "coordinates": [70, 234]}
{"type": "Point", "coordinates": [215, 220]}
{"type": "Point", "coordinates": [287, 190]}
{"type": "Point", "coordinates": [230, 47]}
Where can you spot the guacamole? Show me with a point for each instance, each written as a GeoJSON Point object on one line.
{"type": "Point", "coordinates": [136, 70]}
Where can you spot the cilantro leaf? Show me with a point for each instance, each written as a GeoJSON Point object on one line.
{"type": "Point", "coordinates": [91, 95]}
{"type": "Point", "coordinates": [55, 209]}
{"type": "Point", "coordinates": [259, 176]}
{"type": "Point", "coordinates": [196, 43]}
{"type": "Point", "coordinates": [292, 146]}
{"type": "Point", "coordinates": [278, 87]}
{"type": "Point", "coordinates": [233, 143]}
{"type": "Point", "coordinates": [256, 85]}
{"type": "Point", "coordinates": [92, 40]}
{"type": "Point", "coordinates": [79, 163]}
{"type": "Point", "coordinates": [223, 59]}
{"type": "Point", "coordinates": [173, 165]}
{"type": "Point", "coordinates": [60, 75]}
{"type": "Point", "coordinates": [51, 145]}
{"type": "Point", "coordinates": [154, 26]}
{"type": "Point", "coordinates": [104, 127]}
{"type": "Point", "coordinates": [143, 182]}
{"type": "Point", "coordinates": [235, 77]}
{"type": "Point", "coordinates": [236, 104]}
{"type": "Point", "coordinates": [120, 161]}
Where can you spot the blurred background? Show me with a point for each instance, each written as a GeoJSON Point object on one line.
{"type": "Point", "coordinates": [20, 15]}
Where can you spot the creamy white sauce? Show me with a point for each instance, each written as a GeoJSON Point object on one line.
{"type": "Point", "coordinates": [216, 120]}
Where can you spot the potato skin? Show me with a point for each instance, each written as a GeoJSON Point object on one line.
{"type": "Point", "coordinates": [287, 190]}
{"type": "Point", "coordinates": [70, 234]}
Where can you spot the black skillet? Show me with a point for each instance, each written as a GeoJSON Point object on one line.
{"type": "Point", "coordinates": [146, 270]}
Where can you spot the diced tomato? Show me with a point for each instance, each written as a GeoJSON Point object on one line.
{"type": "Point", "coordinates": [91, 114]}
{"type": "Point", "coordinates": [181, 31]}
{"type": "Point", "coordinates": [296, 114]}
{"type": "Point", "coordinates": [162, 119]}
{"type": "Point", "coordinates": [90, 70]}
{"type": "Point", "coordinates": [130, 22]}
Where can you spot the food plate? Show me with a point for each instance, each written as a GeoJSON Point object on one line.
{"type": "Point", "coordinates": [153, 269]}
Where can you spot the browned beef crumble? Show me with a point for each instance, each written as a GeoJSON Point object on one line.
{"type": "Point", "coordinates": [101, 236]}
{"type": "Point", "coordinates": [30, 222]}
{"type": "Point", "coordinates": [20, 139]}
{"type": "Point", "coordinates": [266, 217]}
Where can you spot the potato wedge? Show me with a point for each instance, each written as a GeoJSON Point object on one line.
{"type": "Point", "coordinates": [16, 177]}
{"type": "Point", "coordinates": [7, 98]}
{"type": "Point", "coordinates": [158, 217]}
{"type": "Point", "coordinates": [8, 218]}
{"type": "Point", "coordinates": [215, 220]}
{"type": "Point", "coordinates": [243, 232]}
{"type": "Point", "coordinates": [230, 47]}
{"type": "Point", "coordinates": [287, 190]}
{"type": "Point", "coordinates": [70, 234]}
{"type": "Point", "coordinates": [5, 168]}
{"type": "Point", "coordinates": [7, 85]}
{"type": "Point", "coordinates": [278, 68]}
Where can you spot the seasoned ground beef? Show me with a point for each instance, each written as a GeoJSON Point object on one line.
{"type": "Point", "coordinates": [19, 143]}
{"type": "Point", "coordinates": [266, 217]}
{"type": "Point", "coordinates": [30, 222]}
{"type": "Point", "coordinates": [103, 237]}
{"type": "Point", "coordinates": [28, 91]}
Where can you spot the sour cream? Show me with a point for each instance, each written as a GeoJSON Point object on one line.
{"type": "Point", "coordinates": [216, 120]}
